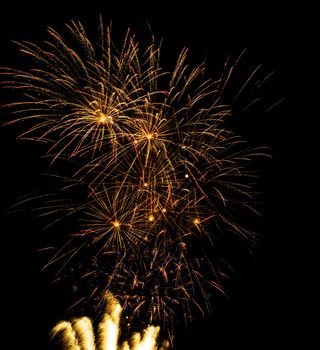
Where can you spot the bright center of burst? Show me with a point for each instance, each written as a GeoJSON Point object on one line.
{"type": "Point", "coordinates": [149, 136]}
{"type": "Point", "coordinates": [116, 224]}
{"type": "Point", "coordinates": [196, 221]}
{"type": "Point", "coordinates": [151, 218]}
{"type": "Point", "coordinates": [103, 119]}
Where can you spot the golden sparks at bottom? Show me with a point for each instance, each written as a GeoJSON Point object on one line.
{"type": "Point", "coordinates": [79, 333]}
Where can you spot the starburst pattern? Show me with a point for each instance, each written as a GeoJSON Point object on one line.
{"type": "Point", "coordinates": [164, 174]}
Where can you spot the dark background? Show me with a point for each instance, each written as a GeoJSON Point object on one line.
{"type": "Point", "coordinates": [267, 304]}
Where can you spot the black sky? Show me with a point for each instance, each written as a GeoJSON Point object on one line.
{"type": "Point", "coordinates": [267, 306]}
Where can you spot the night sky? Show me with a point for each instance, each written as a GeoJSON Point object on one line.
{"type": "Point", "coordinates": [266, 301]}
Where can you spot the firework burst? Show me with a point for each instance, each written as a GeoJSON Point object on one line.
{"type": "Point", "coordinates": [79, 334]}
{"type": "Point", "coordinates": [164, 175]}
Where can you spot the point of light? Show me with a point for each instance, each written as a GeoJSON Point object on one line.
{"type": "Point", "coordinates": [196, 221]}
{"type": "Point", "coordinates": [151, 218]}
{"type": "Point", "coordinates": [186, 176]}
{"type": "Point", "coordinates": [149, 136]}
{"type": "Point", "coordinates": [102, 118]}
{"type": "Point", "coordinates": [116, 224]}
{"type": "Point", "coordinates": [145, 184]}
{"type": "Point", "coordinates": [164, 210]}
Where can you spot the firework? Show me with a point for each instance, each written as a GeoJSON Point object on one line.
{"type": "Point", "coordinates": [79, 334]}
{"type": "Point", "coordinates": [164, 175]}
